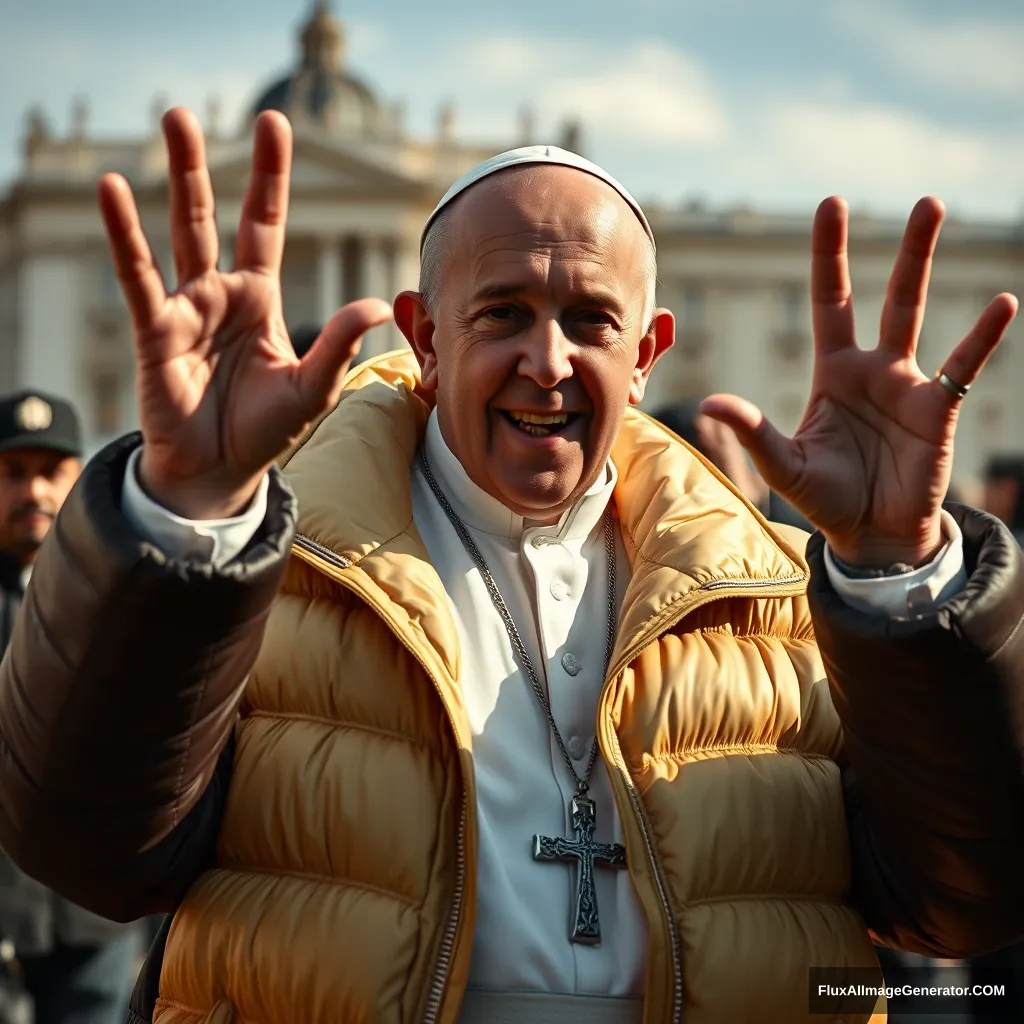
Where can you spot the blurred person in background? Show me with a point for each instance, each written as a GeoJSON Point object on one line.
{"type": "Point", "coordinates": [719, 444]}
{"type": "Point", "coordinates": [1003, 492]}
{"type": "Point", "coordinates": [77, 968]}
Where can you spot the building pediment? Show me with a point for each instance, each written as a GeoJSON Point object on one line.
{"type": "Point", "coordinates": [320, 168]}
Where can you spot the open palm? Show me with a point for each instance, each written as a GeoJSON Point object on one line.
{"type": "Point", "coordinates": [871, 460]}
{"type": "Point", "coordinates": [221, 392]}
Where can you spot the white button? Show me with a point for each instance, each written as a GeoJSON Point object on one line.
{"type": "Point", "coordinates": [559, 590]}
{"type": "Point", "coordinates": [576, 749]}
{"type": "Point", "coordinates": [571, 663]}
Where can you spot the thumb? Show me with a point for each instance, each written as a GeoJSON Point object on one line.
{"type": "Point", "coordinates": [324, 366]}
{"type": "Point", "coordinates": [773, 453]}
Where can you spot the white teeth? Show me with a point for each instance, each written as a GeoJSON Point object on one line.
{"type": "Point", "coordinates": [546, 421]}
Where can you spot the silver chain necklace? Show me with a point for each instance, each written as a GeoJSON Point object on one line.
{"type": "Point", "coordinates": [582, 850]}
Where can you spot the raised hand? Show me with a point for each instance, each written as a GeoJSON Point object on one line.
{"type": "Point", "coordinates": [221, 392]}
{"type": "Point", "coordinates": [871, 460]}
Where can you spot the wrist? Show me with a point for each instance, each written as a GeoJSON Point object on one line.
{"type": "Point", "coordinates": [884, 555]}
{"type": "Point", "coordinates": [195, 498]}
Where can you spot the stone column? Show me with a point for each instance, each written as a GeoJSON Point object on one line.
{"type": "Point", "coordinates": [406, 268]}
{"type": "Point", "coordinates": [407, 265]}
{"type": "Point", "coordinates": [377, 285]}
{"type": "Point", "coordinates": [329, 289]}
{"type": "Point", "coordinates": [407, 277]}
{"type": "Point", "coordinates": [52, 314]}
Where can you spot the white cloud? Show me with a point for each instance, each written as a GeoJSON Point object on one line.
{"type": "Point", "coordinates": [874, 148]}
{"type": "Point", "coordinates": [789, 155]}
{"type": "Point", "coordinates": [972, 53]}
{"type": "Point", "coordinates": [648, 94]}
{"type": "Point", "coordinates": [505, 59]}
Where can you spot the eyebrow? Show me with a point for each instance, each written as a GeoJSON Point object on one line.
{"type": "Point", "coordinates": [510, 289]}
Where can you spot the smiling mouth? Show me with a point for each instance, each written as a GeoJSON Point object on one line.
{"type": "Point", "coordinates": [537, 425]}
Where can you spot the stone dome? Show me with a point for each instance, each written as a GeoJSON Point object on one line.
{"type": "Point", "coordinates": [320, 91]}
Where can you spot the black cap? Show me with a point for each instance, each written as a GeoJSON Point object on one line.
{"type": "Point", "coordinates": [33, 419]}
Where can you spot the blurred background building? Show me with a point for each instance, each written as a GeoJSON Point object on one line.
{"type": "Point", "coordinates": [737, 279]}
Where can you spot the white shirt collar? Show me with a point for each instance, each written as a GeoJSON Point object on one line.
{"type": "Point", "coordinates": [477, 509]}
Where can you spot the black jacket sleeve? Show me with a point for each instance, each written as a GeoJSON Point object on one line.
{"type": "Point", "coordinates": [119, 696]}
{"type": "Point", "coordinates": [933, 717]}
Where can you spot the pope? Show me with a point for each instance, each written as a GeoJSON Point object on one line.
{"type": "Point", "coordinates": [455, 688]}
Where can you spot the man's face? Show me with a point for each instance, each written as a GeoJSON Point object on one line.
{"type": "Point", "coordinates": [537, 340]}
{"type": "Point", "coordinates": [33, 486]}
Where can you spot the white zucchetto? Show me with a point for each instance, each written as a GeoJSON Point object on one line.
{"type": "Point", "coordinates": [533, 155]}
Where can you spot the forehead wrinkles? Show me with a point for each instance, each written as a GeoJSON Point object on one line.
{"type": "Point", "coordinates": [551, 241]}
{"type": "Point", "coordinates": [585, 213]}
{"type": "Point", "coordinates": [535, 248]}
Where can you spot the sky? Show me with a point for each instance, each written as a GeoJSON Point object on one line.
{"type": "Point", "coordinates": [769, 103]}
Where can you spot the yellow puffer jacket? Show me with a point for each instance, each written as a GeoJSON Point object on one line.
{"type": "Point", "coordinates": [344, 890]}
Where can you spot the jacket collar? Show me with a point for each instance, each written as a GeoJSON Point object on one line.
{"type": "Point", "coordinates": [683, 525]}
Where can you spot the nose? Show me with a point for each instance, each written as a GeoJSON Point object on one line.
{"type": "Point", "coordinates": [546, 354]}
{"type": "Point", "coordinates": [37, 489]}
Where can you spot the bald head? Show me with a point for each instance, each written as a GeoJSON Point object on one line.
{"type": "Point", "coordinates": [526, 191]}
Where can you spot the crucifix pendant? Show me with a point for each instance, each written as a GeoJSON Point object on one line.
{"type": "Point", "coordinates": [585, 925]}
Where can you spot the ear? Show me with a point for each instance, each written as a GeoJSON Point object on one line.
{"type": "Point", "coordinates": [660, 337]}
{"type": "Point", "coordinates": [418, 328]}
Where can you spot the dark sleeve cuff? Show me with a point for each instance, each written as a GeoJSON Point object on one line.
{"type": "Point", "coordinates": [98, 512]}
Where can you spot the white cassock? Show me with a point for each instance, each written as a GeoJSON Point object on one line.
{"type": "Point", "coordinates": [554, 581]}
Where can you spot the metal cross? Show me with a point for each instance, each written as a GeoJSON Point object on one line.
{"type": "Point", "coordinates": [586, 926]}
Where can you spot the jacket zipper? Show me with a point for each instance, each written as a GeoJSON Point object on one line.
{"type": "Point", "coordinates": [688, 604]}
{"type": "Point", "coordinates": [318, 552]}
{"type": "Point", "coordinates": [444, 959]}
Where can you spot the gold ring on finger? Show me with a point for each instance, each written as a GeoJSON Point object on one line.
{"type": "Point", "coordinates": [956, 390]}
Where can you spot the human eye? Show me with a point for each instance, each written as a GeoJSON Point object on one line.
{"type": "Point", "coordinates": [503, 318]}
{"type": "Point", "coordinates": [594, 323]}
{"type": "Point", "coordinates": [500, 314]}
